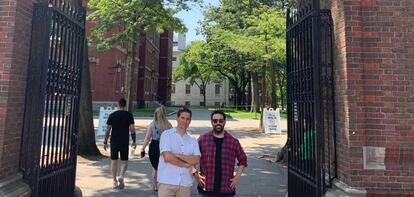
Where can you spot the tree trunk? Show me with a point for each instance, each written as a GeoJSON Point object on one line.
{"type": "Point", "coordinates": [281, 77]}
{"type": "Point", "coordinates": [240, 95]}
{"type": "Point", "coordinates": [282, 155]}
{"type": "Point", "coordinates": [264, 95]}
{"type": "Point", "coordinates": [246, 82]}
{"type": "Point", "coordinates": [204, 95]}
{"type": "Point", "coordinates": [86, 133]}
{"type": "Point", "coordinates": [249, 91]}
{"type": "Point", "coordinates": [273, 86]}
{"type": "Point", "coordinates": [282, 96]}
{"type": "Point", "coordinates": [255, 93]}
{"type": "Point", "coordinates": [132, 76]}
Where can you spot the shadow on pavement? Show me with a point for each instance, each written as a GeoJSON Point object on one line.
{"type": "Point", "coordinates": [261, 178]}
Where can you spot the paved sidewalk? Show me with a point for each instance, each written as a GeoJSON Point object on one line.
{"type": "Point", "coordinates": [261, 177]}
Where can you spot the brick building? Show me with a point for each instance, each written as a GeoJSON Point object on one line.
{"type": "Point", "coordinates": [154, 71]}
{"type": "Point", "coordinates": [165, 68]}
{"type": "Point", "coordinates": [107, 70]}
{"type": "Point", "coordinates": [374, 71]}
{"type": "Point", "coordinates": [148, 69]}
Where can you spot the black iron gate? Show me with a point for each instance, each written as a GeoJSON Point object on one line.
{"type": "Point", "coordinates": [311, 106]}
{"type": "Point", "coordinates": [49, 142]}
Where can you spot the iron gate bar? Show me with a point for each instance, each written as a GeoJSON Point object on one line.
{"type": "Point", "coordinates": [52, 100]}
{"type": "Point", "coordinates": [305, 148]}
{"type": "Point", "coordinates": [318, 120]}
{"type": "Point", "coordinates": [329, 96]}
{"type": "Point", "coordinates": [311, 104]}
{"type": "Point", "coordinates": [32, 121]}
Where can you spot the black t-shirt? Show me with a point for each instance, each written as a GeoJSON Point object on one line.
{"type": "Point", "coordinates": [120, 121]}
{"type": "Point", "coordinates": [217, 173]}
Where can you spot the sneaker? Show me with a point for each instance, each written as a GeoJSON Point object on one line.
{"type": "Point", "coordinates": [115, 185]}
{"type": "Point", "coordinates": [121, 182]}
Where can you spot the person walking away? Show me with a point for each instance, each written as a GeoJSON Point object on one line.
{"type": "Point", "coordinates": [179, 151]}
{"type": "Point", "coordinates": [119, 124]}
{"type": "Point", "coordinates": [154, 131]}
{"type": "Point", "coordinates": [219, 151]}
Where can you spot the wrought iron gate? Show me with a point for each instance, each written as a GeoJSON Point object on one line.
{"type": "Point", "coordinates": [311, 106]}
{"type": "Point", "coordinates": [49, 142]}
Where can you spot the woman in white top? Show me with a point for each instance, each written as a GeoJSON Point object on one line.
{"type": "Point", "coordinates": [157, 126]}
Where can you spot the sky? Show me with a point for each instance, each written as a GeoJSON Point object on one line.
{"type": "Point", "coordinates": [191, 19]}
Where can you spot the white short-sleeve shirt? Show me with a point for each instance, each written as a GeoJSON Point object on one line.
{"type": "Point", "coordinates": [173, 142]}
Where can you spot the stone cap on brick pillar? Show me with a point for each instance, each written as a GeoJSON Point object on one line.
{"type": "Point", "coordinates": [14, 186]}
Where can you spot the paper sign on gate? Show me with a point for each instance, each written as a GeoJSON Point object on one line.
{"type": "Point", "coordinates": [271, 120]}
{"type": "Point", "coordinates": [103, 117]}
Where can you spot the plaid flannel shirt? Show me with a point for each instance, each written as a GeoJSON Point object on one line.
{"type": "Point", "coordinates": [231, 150]}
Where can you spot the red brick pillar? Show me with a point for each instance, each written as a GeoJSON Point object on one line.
{"type": "Point", "coordinates": [374, 64]}
{"type": "Point", "coordinates": [15, 30]}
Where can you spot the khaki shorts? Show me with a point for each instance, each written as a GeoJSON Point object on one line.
{"type": "Point", "coordinates": [166, 190]}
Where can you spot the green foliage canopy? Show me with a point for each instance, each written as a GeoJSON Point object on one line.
{"type": "Point", "coordinates": [196, 64]}
{"type": "Point", "coordinates": [118, 21]}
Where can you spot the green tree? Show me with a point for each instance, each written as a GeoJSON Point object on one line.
{"type": "Point", "coordinates": [125, 22]}
{"type": "Point", "coordinates": [196, 67]}
{"type": "Point", "coordinates": [218, 25]}
{"type": "Point", "coordinates": [255, 30]}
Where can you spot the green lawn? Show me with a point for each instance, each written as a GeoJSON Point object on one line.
{"type": "Point", "coordinates": [241, 114]}
{"type": "Point", "coordinates": [147, 112]}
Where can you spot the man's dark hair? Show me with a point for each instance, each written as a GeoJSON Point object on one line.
{"type": "Point", "coordinates": [217, 112]}
{"type": "Point", "coordinates": [122, 102]}
{"type": "Point", "coordinates": [184, 109]}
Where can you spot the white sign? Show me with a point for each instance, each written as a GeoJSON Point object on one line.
{"type": "Point", "coordinates": [103, 117]}
{"type": "Point", "coordinates": [271, 121]}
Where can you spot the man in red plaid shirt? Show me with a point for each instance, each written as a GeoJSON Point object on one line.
{"type": "Point", "coordinates": [219, 151]}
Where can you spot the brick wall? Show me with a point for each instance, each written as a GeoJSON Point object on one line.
{"type": "Point", "coordinates": [15, 23]}
{"type": "Point", "coordinates": [374, 46]}
{"type": "Point", "coordinates": [342, 102]}
{"type": "Point", "coordinates": [106, 83]}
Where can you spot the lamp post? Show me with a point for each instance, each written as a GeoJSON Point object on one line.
{"type": "Point", "coordinates": [118, 68]}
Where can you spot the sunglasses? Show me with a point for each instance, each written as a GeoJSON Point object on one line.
{"type": "Point", "coordinates": [218, 120]}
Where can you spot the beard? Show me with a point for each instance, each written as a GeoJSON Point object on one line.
{"type": "Point", "coordinates": [218, 129]}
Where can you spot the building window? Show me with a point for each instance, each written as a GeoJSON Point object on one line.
{"type": "Point", "coordinates": [217, 89]}
{"type": "Point", "coordinates": [202, 104]}
{"type": "Point", "coordinates": [187, 103]}
{"type": "Point", "coordinates": [175, 44]}
{"type": "Point", "coordinates": [174, 58]}
{"type": "Point", "coordinates": [187, 89]}
{"type": "Point", "coordinates": [172, 88]}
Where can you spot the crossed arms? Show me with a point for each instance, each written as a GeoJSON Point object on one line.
{"type": "Point", "coordinates": [181, 160]}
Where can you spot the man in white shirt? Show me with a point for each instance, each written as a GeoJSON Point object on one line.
{"type": "Point", "coordinates": [179, 151]}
